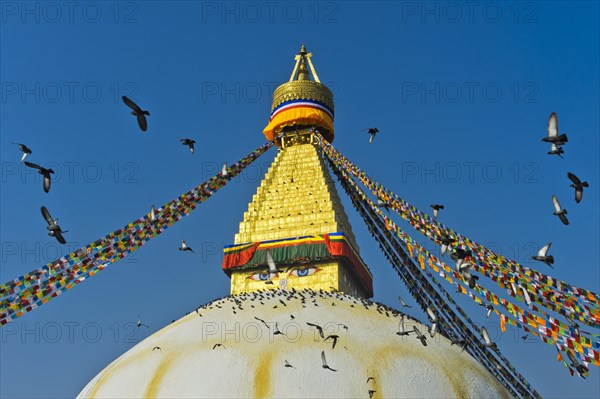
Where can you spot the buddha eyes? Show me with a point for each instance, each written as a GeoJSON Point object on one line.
{"type": "Point", "coordinates": [261, 276]}
{"type": "Point", "coordinates": [307, 271]}
{"type": "Point", "coordinates": [301, 272]}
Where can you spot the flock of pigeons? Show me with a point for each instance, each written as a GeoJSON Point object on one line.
{"type": "Point", "coordinates": [557, 141]}
{"type": "Point", "coordinates": [53, 227]}
{"type": "Point", "coordinates": [253, 301]}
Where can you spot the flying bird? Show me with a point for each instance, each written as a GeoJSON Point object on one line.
{"type": "Point", "coordinates": [157, 347]}
{"type": "Point", "coordinates": [288, 365]}
{"type": "Point", "coordinates": [140, 324]}
{"type": "Point", "coordinates": [369, 379]}
{"type": "Point", "coordinates": [561, 213]}
{"type": "Point", "coordinates": [578, 186]}
{"type": "Point", "coordinates": [185, 247]}
{"type": "Point", "coordinates": [217, 345]}
{"type": "Point", "coordinates": [371, 393]}
{"type": "Point", "coordinates": [224, 170]}
{"type": "Point", "coordinates": [334, 338]}
{"type": "Point", "coordinates": [556, 150]}
{"type": "Point", "coordinates": [138, 112]}
{"type": "Point", "coordinates": [553, 136]}
{"type": "Point", "coordinates": [325, 365]}
{"type": "Point", "coordinates": [404, 304]}
{"type": "Point", "coordinates": [436, 209]}
{"type": "Point", "coordinates": [277, 332]}
{"type": "Point", "coordinates": [26, 150]}
{"type": "Point", "coordinates": [190, 143]}
{"type": "Point", "coordinates": [420, 336]}
{"type": "Point", "coordinates": [318, 327]}
{"type": "Point", "coordinates": [44, 172]}
{"type": "Point", "coordinates": [486, 337]}
{"type": "Point", "coordinates": [446, 242]}
{"type": "Point", "coordinates": [434, 322]}
{"type": "Point", "coordinates": [373, 132]}
{"type": "Point", "coordinates": [581, 369]}
{"type": "Point", "coordinates": [460, 343]}
{"type": "Point", "coordinates": [262, 321]}
{"type": "Point", "coordinates": [53, 227]}
{"type": "Point", "coordinates": [431, 314]}
{"type": "Point", "coordinates": [401, 330]}
{"type": "Point", "coordinates": [152, 214]}
{"type": "Point", "coordinates": [542, 255]}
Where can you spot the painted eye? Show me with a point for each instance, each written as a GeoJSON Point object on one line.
{"type": "Point", "coordinates": [304, 272]}
{"type": "Point", "coordinates": [261, 276]}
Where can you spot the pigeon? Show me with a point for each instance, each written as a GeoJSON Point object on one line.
{"type": "Point", "coordinates": [401, 330]}
{"type": "Point", "coordinates": [318, 327]}
{"type": "Point", "coordinates": [262, 321]}
{"type": "Point", "coordinates": [460, 255]}
{"type": "Point", "coordinates": [543, 257]}
{"type": "Point", "coordinates": [526, 295]}
{"type": "Point", "coordinates": [561, 213]}
{"type": "Point", "coordinates": [44, 172]}
{"type": "Point", "coordinates": [436, 209]}
{"type": "Point", "coordinates": [404, 303]}
{"type": "Point", "coordinates": [434, 322]}
{"type": "Point", "coordinates": [556, 150]}
{"type": "Point", "coordinates": [184, 247]}
{"type": "Point", "coordinates": [334, 338]}
{"type": "Point", "coordinates": [277, 332]}
{"type": "Point", "coordinates": [553, 136]}
{"type": "Point", "coordinates": [446, 242]}
{"type": "Point", "coordinates": [431, 314]}
{"type": "Point", "coordinates": [272, 267]}
{"type": "Point", "coordinates": [372, 131]}
{"type": "Point", "coordinates": [140, 324]}
{"type": "Point", "coordinates": [288, 365]}
{"type": "Point", "coordinates": [26, 150]}
{"type": "Point", "coordinates": [420, 336]}
{"type": "Point", "coordinates": [224, 170]}
{"type": "Point", "coordinates": [53, 227]}
{"type": "Point", "coordinates": [486, 337]}
{"type": "Point", "coordinates": [325, 366]}
{"type": "Point", "coordinates": [472, 280]}
{"type": "Point", "coordinates": [578, 186]}
{"type": "Point", "coordinates": [460, 343]}
{"type": "Point", "coordinates": [138, 112]}
{"type": "Point", "coordinates": [581, 369]}
{"type": "Point", "coordinates": [190, 143]}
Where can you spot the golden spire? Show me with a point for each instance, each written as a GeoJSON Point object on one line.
{"type": "Point", "coordinates": [303, 87]}
{"type": "Point", "coordinates": [296, 234]}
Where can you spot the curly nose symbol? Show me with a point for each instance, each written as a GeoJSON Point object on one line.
{"type": "Point", "coordinates": [283, 283]}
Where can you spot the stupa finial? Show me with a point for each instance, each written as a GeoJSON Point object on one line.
{"type": "Point", "coordinates": [301, 71]}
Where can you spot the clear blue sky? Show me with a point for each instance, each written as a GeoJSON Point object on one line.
{"type": "Point", "coordinates": [460, 92]}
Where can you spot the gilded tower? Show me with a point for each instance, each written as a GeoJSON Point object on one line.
{"type": "Point", "coordinates": [296, 221]}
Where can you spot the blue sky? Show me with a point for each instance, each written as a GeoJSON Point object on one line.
{"type": "Point", "coordinates": [460, 91]}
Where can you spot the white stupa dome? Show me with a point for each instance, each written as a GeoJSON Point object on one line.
{"type": "Point", "coordinates": [251, 358]}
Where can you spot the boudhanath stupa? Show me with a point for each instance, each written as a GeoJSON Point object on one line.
{"type": "Point", "coordinates": [298, 321]}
